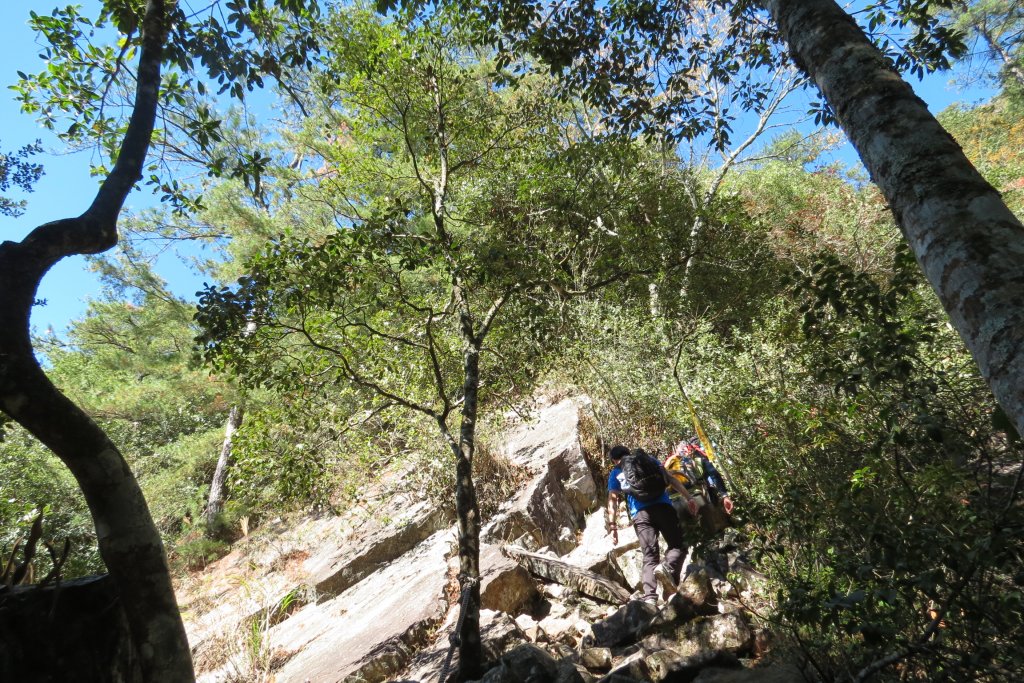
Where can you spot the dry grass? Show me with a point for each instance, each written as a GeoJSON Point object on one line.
{"type": "Point", "coordinates": [496, 478]}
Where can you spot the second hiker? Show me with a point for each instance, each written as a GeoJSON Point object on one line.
{"type": "Point", "coordinates": [644, 482]}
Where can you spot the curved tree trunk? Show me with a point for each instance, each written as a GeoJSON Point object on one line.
{"type": "Point", "coordinates": [215, 503]}
{"type": "Point", "coordinates": [969, 244]}
{"type": "Point", "coordinates": [129, 542]}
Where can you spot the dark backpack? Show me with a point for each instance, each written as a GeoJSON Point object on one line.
{"type": "Point", "coordinates": [642, 476]}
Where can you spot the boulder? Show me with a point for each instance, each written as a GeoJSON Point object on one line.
{"type": "Point", "coordinates": [633, 667]}
{"type": "Point", "coordinates": [617, 677]}
{"type": "Point", "coordinates": [526, 663]}
{"type": "Point", "coordinates": [498, 632]}
{"type": "Point", "coordinates": [628, 562]}
{"type": "Point", "coordinates": [597, 553]}
{"type": "Point", "coordinates": [554, 569]}
{"type": "Point", "coordinates": [557, 592]}
{"type": "Point", "coordinates": [561, 651]}
{"type": "Point", "coordinates": [596, 658]}
{"type": "Point", "coordinates": [666, 664]}
{"type": "Point", "coordinates": [696, 589]}
{"type": "Point", "coordinates": [679, 609]}
{"type": "Point", "coordinates": [500, 636]}
{"type": "Point", "coordinates": [505, 585]}
{"type": "Point", "coordinates": [713, 519]}
{"type": "Point", "coordinates": [718, 633]}
{"type": "Point", "coordinates": [553, 431]}
{"type": "Point", "coordinates": [660, 664]}
{"type": "Point", "coordinates": [559, 629]}
{"type": "Point", "coordinates": [570, 672]}
{"type": "Point", "coordinates": [542, 512]}
{"type": "Point", "coordinates": [530, 627]}
{"type": "Point", "coordinates": [560, 608]}
{"type": "Point", "coordinates": [747, 580]}
{"type": "Point", "coordinates": [625, 625]}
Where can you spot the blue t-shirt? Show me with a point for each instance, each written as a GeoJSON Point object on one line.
{"type": "Point", "coordinates": [615, 478]}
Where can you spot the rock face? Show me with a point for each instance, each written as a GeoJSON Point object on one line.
{"type": "Point", "coordinates": [336, 572]}
{"type": "Point", "coordinates": [286, 568]}
{"type": "Point", "coordinates": [549, 510]}
{"type": "Point", "coordinates": [371, 630]}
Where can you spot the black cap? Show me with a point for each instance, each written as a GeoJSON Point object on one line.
{"type": "Point", "coordinates": [617, 452]}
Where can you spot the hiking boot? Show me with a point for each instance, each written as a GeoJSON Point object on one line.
{"type": "Point", "coordinates": [664, 577]}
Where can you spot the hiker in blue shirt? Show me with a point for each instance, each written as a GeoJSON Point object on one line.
{"type": "Point", "coordinates": [638, 477]}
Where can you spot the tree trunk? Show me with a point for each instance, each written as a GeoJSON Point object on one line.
{"type": "Point", "coordinates": [129, 542]}
{"type": "Point", "coordinates": [470, 647]}
{"type": "Point", "coordinates": [215, 504]}
{"type": "Point", "coordinates": [966, 240]}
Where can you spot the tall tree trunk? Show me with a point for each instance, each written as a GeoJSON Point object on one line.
{"type": "Point", "coordinates": [215, 504]}
{"type": "Point", "coordinates": [969, 244]}
{"type": "Point", "coordinates": [129, 542]}
{"type": "Point", "coordinates": [468, 511]}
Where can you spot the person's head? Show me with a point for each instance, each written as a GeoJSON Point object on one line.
{"type": "Point", "coordinates": [617, 452]}
{"type": "Point", "coordinates": [687, 440]}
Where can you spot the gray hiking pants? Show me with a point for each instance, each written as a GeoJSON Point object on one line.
{"type": "Point", "coordinates": [649, 522]}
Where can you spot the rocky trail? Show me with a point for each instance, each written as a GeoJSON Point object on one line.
{"type": "Point", "coordinates": [371, 596]}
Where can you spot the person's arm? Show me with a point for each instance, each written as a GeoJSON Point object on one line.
{"type": "Point", "coordinates": [691, 502]}
{"type": "Point", "coordinates": [715, 479]}
{"type": "Point", "coordinates": [611, 516]}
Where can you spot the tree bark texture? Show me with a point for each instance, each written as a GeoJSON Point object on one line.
{"type": "Point", "coordinates": [129, 542]}
{"type": "Point", "coordinates": [215, 503]}
{"type": "Point", "coordinates": [968, 243]}
{"type": "Point", "coordinates": [470, 646]}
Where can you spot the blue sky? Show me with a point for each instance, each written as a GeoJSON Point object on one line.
{"type": "Point", "coordinates": [67, 189]}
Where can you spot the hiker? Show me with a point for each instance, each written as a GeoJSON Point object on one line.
{"type": "Point", "coordinates": [691, 465]}
{"type": "Point", "coordinates": [643, 481]}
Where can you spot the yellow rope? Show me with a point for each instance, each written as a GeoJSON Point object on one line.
{"type": "Point", "coordinates": [701, 434]}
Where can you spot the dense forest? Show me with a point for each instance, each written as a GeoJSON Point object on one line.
{"type": "Point", "coordinates": [438, 210]}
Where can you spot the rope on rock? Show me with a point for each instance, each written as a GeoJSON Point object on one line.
{"type": "Point", "coordinates": [454, 637]}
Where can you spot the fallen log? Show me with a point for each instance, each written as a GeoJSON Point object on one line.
{"type": "Point", "coordinates": [552, 569]}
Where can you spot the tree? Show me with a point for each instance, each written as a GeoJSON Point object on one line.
{"type": "Point", "coordinates": [998, 25]}
{"type": "Point", "coordinates": [448, 219]}
{"type": "Point", "coordinates": [631, 60]}
{"type": "Point", "coordinates": [129, 542]}
{"type": "Point", "coordinates": [16, 170]}
{"type": "Point", "coordinates": [968, 243]}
